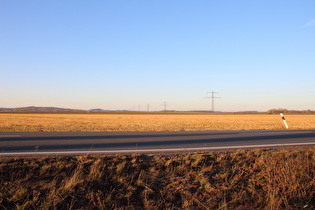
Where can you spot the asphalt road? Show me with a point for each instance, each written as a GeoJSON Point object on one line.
{"type": "Point", "coordinates": [67, 143]}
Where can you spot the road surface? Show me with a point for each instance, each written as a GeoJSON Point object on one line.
{"type": "Point", "coordinates": [67, 143]}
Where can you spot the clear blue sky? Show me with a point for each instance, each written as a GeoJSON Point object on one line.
{"type": "Point", "coordinates": [122, 54]}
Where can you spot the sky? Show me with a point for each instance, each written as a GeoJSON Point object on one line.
{"type": "Point", "coordinates": [126, 54]}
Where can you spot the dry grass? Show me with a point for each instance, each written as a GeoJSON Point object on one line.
{"type": "Point", "coordinates": [149, 122]}
{"type": "Point", "coordinates": [252, 179]}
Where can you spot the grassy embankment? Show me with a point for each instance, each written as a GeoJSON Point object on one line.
{"type": "Point", "coordinates": [254, 179]}
{"type": "Point", "coordinates": [149, 122]}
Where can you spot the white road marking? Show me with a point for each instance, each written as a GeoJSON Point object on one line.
{"type": "Point", "coordinates": [9, 136]}
{"type": "Point", "coordinates": [276, 132]}
{"type": "Point", "coordinates": [150, 150]}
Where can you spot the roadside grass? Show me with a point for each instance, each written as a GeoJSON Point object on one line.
{"type": "Point", "coordinates": [282, 178]}
{"type": "Point", "coordinates": [149, 122]}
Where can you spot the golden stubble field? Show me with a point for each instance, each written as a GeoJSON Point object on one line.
{"type": "Point", "coordinates": [149, 122]}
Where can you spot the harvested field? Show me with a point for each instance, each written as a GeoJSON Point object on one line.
{"type": "Point", "coordinates": [150, 122]}
{"type": "Point", "coordinates": [243, 179]}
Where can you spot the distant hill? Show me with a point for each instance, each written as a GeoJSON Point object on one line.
{"type": "Point", "coordinates": [47, 109]}
{"type": "Point", "coordinates": [36, 108]}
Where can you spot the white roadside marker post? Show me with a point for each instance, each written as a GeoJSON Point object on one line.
{"type": "Point", "coordinates": [285, 123]}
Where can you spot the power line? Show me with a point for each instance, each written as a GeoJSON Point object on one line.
{"type": "Point", "coordinates": [213, 97]}
{"type": "Point", "coordinates": [165, 104]}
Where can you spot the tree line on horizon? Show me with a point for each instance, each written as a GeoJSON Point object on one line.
{"type": "Point", "coordinates": [287, 111]}
{"type": "Point", "coordinates": [58, 109]}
